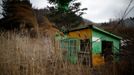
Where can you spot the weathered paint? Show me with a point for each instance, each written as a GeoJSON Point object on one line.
{"type": "Point", "coordinates": [97, 60]}
{"type": "Point", "coordinates": [76, 36]}
{"type": "Point", "coordinates": [97, 44]}
{"type": "Point", "coordinates": [81, 34]}
{"type": "Point", "coordinates": [71, 47]}
{"type": "Point", "coordinates": [96, 36]}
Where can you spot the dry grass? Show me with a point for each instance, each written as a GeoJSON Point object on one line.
{"type": "Point", "coordinates": [21, 55]}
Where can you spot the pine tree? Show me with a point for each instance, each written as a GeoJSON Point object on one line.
{"type": "Point", "coordinates": [62, 5]}
{"type": "Point", "coordinates": [66, 13]}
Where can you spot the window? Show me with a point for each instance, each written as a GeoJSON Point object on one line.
{"type": "Point", "coordinates": [85, 45]}
{"type": "Point", "coordinates": [84, 54]}
{"type": "Point", "coordinates": [70, 48]}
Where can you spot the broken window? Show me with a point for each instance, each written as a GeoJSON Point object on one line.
{"type": "Point", "coordinates": [84, 56]}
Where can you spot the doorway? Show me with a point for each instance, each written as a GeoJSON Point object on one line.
{"type": "Point", "coordinates": [107, 47]}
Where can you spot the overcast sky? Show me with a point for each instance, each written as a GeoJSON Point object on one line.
{"type": "Point", "coordinates": [98, 10]}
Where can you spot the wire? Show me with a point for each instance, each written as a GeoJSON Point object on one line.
{"type": "Point", "coordinates": [124, 15]}
{"type": "Point", "coordinates": [129, 11]}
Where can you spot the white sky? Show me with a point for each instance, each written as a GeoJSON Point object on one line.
{"type": "Point", "coordinates": [98, 10]}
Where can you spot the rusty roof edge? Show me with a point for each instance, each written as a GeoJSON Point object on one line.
{"type": "Point", "coordinates": [76, 29]}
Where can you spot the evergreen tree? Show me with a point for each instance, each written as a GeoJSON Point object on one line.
{"type": "Point", "coordinates": [62, 5]}
{"type": "Point", "coordinates": [66, 13]}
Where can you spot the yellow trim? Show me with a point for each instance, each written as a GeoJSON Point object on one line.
{"type": "Point", "coordinates": [98, 60]}
{"type": "Point", "coordinates": [81, 34]}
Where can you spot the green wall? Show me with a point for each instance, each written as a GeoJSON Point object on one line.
{"type": "Point", "coordinates": [98, 37]}
{"type": "Point", "coordinates": [72, 47]}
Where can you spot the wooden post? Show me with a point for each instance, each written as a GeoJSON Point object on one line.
{"type": "Point", "coordinates": [90, 53]}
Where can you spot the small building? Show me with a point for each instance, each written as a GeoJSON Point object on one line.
{"type": "Point", "coordinates": [90, 45]}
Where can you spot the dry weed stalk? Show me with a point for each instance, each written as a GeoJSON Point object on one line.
{"type": "Point", "coordinates": [22, 55]}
